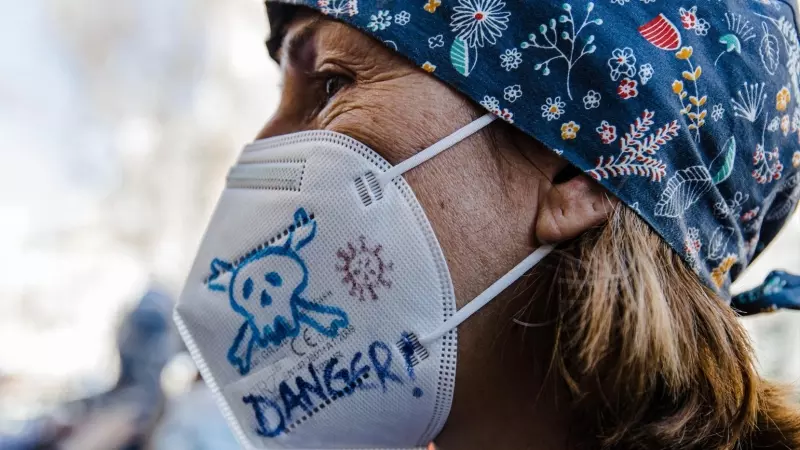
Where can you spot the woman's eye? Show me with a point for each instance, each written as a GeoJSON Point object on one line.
{"type": "Point", "coordinates": [334, 84]}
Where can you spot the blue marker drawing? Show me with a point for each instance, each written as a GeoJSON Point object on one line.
{"type": "Point", "coordinates": [407, 349]}
{"type": "Point", "coordinates": [267, 290]}
{"type": "Point", "coordinates": [318, 387]}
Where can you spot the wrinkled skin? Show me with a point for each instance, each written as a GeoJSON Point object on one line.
{"type": "Point", "coordinates": [490, 201]}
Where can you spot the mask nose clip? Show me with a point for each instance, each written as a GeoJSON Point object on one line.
{"type": "Point", "coordinates": [369, 188]}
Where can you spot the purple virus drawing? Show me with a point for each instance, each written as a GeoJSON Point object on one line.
{"type": "Point", "coordinates": [364, 269]}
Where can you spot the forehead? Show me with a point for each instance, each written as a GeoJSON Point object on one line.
{"type": "Point", "coordinates": [304, 27]}
{"type": "Point", "coordinates": [307, 32]}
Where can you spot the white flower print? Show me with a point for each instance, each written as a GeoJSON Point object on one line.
{"type": "Point", "coordinates": [646, 72]}
{"type": "Point", "coordinates": [620, 2]}
{"type": "Point", "coordinates": [402, 18]}
{"type": "Point", "coordinates": [512, 93]}
{"type": "Point", "coordinates": [510, 59]}
{"type": "Point", "coordinates": [692, 245]}
{"type": "Point", "coordinates": [380, 21]}
{"type": "Point", "coordinates": [506, 115]}
{"type": "Point", "coordinates": [638, 153]}
{"type": "Point", "coordinates": [796, 120]}
{"type": "Point", "coordinates": [721, 209]}
{"type": "Point", "coordinates": [690, 21]}
{"type": "Point", "coordinates": [731, 207]}
{"type": "Point", "coordinates": [774, 124]}
{"type": "Point", "coordinates": [717, 111]}
{"type": "Point", "coordinates": [553, 108]}
{"type": "Point", "coordinates": [338, 8]}
{"type": "Point", "coordinates": [436, 41]}
{"type": "Point", "coordinates": [622, 62]}
{"type": "Point", "coordinates": [591, 100]}
{"type": "Point", "coordinates": [774, 3]}
{"type": "Point", "coordinates": [491, 103]}
{"type": "Point", "coordinates": [576, 48]}
{"type": "Point", "coordinates": [479, 21]}
{"type": "Point", "coordinates": [607, 132]}
{"type": "Point", "coordinates": [701, 29]}
{"type": "Point", "coordinates": [627, 89]}
{"type": "Point", "coordinates": [751, 104]}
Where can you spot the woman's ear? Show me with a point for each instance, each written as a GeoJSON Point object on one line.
{"type": "Point", "coordinates": [569, 208]}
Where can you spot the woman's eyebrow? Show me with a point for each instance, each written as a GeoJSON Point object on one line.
{"type": "Point", "coordinates": [299, 49]}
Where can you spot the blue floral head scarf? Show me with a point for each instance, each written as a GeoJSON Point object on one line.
{"type": "Point", "coordinates": [689, 112]}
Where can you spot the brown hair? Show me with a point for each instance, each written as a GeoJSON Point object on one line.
{"type": "Point", "coordinates": [652, 357]}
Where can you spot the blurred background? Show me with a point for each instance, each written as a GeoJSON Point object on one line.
{"type": "Point", "coordinates": [119, 121]}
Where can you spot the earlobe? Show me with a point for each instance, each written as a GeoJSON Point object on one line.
{"type": "Point", "coordinates": [568, 209]}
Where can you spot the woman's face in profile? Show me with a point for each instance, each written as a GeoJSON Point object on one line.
{"type": "Point", "coordinates": [600, 342]}
{"type": "Point", "coordinates": [336, 78]}
{"type": "Point", "coordinates": [489, 199]}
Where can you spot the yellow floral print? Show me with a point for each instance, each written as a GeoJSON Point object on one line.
{"type": "Point", "coordinates": [796, 159]}
{"type": "Point", "coordinates": [428, 67]}
{"type": "Point", "coordinates": [684, 53]}
{"type": "Point", "coordinates": [694, 109]}
{"type": "Point", "coordinates": [569, 130]}
{"type": "Point", "coordinates": [782, 99]}
{"type": "Point", "coordinates": [720, 273]}
{"type": "Point", "coordinates": [431, 5]}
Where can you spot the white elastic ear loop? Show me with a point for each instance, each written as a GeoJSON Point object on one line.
{"type": "Point", "coordinates": [486, 296]}
{"type": "Point", "coordinates": [447, 142]}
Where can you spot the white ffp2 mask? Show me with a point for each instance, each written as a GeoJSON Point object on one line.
{"type": "Point", "coordinates": [320, 309]}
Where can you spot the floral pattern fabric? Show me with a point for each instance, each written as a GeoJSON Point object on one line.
{"type": "Point", "coordinates": [687, 111]}
{"type": "Point", "coordinates": [779, 290]}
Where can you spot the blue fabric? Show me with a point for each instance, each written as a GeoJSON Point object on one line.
{"type": "Point", "coordinates": [686, 111]}
{"type": "Point", "coordinates": [779, 290]}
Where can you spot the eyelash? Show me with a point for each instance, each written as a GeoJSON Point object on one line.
{"type": "Point", "coordinates": [328, 82]}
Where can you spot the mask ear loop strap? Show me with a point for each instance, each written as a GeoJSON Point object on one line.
{"type": "Point", "coordinates": [486, 296]}
{"type": "Point", "coordinates": [447, 142]}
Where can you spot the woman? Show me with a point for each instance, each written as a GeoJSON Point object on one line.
{"type": "Point", "coordinates": [656, 145]}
